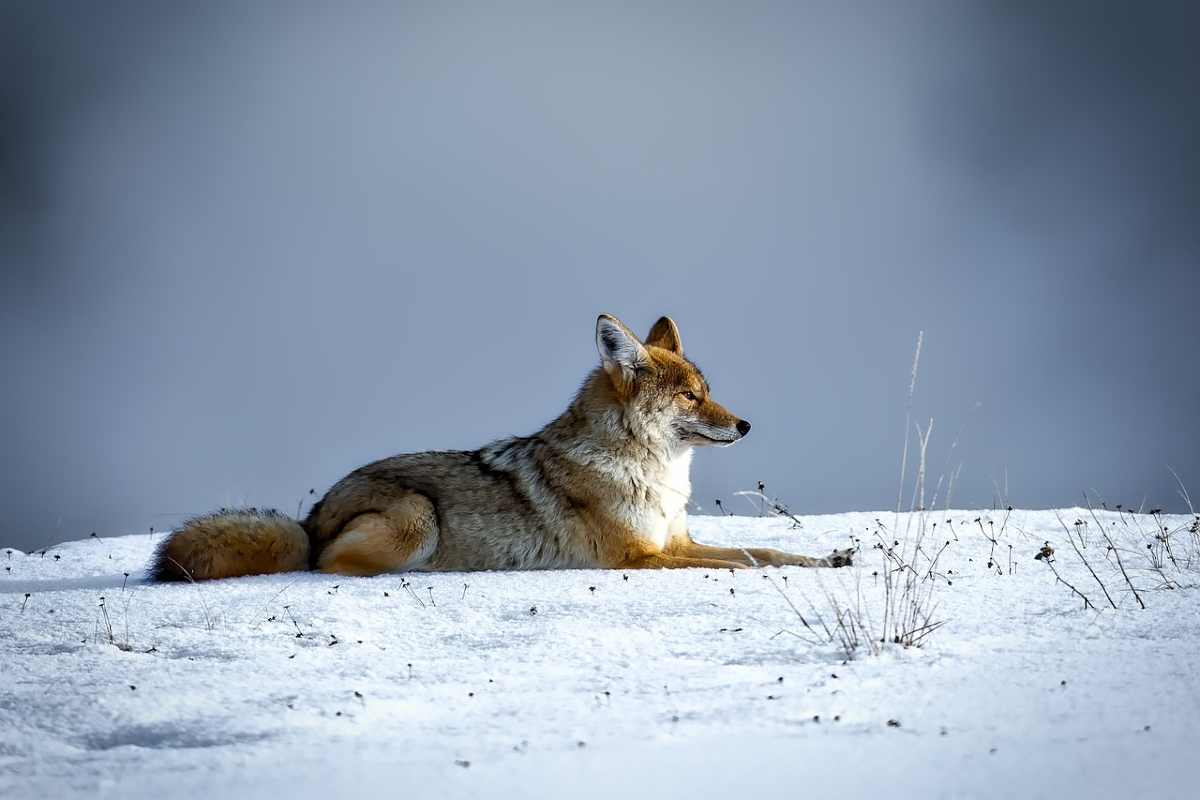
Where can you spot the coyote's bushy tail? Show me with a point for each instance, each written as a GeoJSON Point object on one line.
{"type": "Point", "coordinates": [229, 543]}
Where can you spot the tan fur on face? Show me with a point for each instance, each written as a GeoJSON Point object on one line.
{"type": "Point", "coordinates": [663, 390]}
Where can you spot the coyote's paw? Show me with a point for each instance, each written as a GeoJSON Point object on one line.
{"type": "Point", "coordinates": [840, 558]}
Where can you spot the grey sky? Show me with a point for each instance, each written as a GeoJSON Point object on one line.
{"type": "Point", "coordinates": [249, 247]}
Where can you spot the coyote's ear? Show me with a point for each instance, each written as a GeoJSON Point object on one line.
{"type": "Point", "coordinates": [665, 334]}
{"type": "Point", "coordinates": [620, 350]}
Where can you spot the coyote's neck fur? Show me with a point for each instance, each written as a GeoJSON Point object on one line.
{"type": "Point", "coordinates": [598, 455]}
{"type": "Point", "coordinates": [649, 471]}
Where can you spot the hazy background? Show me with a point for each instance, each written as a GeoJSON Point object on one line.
{"type": "Point", "coordinates": [248, 247]}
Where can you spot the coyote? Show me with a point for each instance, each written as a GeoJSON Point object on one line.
{"type": "Point", "coordinates": [605, 485]}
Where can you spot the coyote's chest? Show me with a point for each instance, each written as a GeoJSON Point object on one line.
{"type": "Point", "coordinates": [659, 496]}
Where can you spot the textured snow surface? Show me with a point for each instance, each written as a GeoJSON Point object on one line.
{"type": "Point", "coordinates": [589, 684]}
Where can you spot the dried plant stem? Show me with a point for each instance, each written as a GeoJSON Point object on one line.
{"type": "Point", "coordinates": [1086, 603]}
{"type": "Point", "coordinates": [912, 387]}
{"type": "Point", "coordinates": [209, 624]}
{"type": "Point", "coordinates": [1182, 491]}
{"type": "Point", "coordinates": [919, 486]}
{"type": "Point", "coordinates": [1125, 574]}
{"type": "Point", "coordinates": [1079, 553]}
{"type": "Point", "coordinates": [1116, 553]}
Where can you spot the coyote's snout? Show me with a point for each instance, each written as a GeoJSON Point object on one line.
{"type": "Point", "coordinates": [605, 485]}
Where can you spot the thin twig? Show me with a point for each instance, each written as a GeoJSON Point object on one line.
{"type": "Point", "coordinates": [1049, 563]}
{"type": "Point", "coordinates": [912, 386]}
{"type": "Point", "coordinates": [1117, 553]}
{"type": "Point", "coordinates": [1079, 553]}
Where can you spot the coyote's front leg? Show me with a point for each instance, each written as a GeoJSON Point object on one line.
{"type": "Point", "coordinates": [681, 545]}
{"type": "Point", "coordinates": [759, 556]}
{"type": "Point", "coordinates": [676, 561]}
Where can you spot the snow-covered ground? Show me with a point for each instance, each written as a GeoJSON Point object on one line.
{"type": "Point", "coordinates": [587, 683]}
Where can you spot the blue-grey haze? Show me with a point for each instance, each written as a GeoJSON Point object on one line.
{"type": "Point", "coordinates": [247, 247]}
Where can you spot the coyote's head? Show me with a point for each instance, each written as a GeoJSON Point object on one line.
{"type": "Point", "coordinates": [664, 397]}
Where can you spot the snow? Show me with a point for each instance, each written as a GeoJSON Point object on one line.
{"type": "Point", "coordinates": [592, 683]}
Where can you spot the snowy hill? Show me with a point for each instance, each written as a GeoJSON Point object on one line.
{"type": "Point", "coordinates": [646, 683]}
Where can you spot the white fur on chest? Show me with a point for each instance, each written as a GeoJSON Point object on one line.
{"type": "Point", "coordinates": [671, 486]}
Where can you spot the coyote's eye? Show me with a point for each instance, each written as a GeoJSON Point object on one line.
{"type": "Point", "coordinates": [689, 396]}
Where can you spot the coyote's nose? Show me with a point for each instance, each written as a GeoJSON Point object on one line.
{"type": "Point", "coordinates": [743, 427]}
